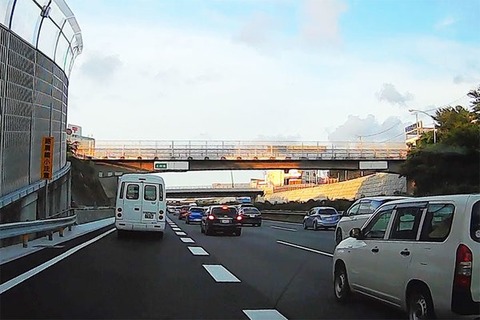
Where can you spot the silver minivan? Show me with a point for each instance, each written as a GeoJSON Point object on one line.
{"type": "Point", "coordinates": [358, 213]}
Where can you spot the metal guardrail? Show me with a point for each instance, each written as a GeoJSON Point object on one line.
{"type": "Point", "coordinates": [284, 212]}
{"type": "Point", "coordinates": [242, 150]}
{"type": "Point", "coordinates": [15, 229]}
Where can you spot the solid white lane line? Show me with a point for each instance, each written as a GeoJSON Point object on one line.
{"type": "Point", "coordinates": [187, 240]}
{"type": "Point", "coordinates": [304, 248]}
{"type": "Point", "coordinates": [283, 228]}
{"type": "Point", "coordinates": [266, 314]}
{"type": "Point", "coordinates": [198, 251]}
{"type": "Point", "coordinates": [220, 273]}
{"type": "Point", "coordinates": [30, 273]}
{"type": "Point", "coordinates": [181, 233]}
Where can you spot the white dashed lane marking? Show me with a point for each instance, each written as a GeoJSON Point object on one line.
{"type": "Point", "coordinates": [283, 228]}
{"type": "Point", "coordinates": [187, 240]}
{"type": "Point", "coordinates": [220, 274]}
{"type": "Point", "coordinates": [266, 314]}
{"type": "Point", "coordinates": [304, 248]}
{"type": "Point", "coordinates": [181, 233]}
{"type": "Point", "coordinates": [198, 251]}
{"type": "Point", "coordinates": [176, 229]}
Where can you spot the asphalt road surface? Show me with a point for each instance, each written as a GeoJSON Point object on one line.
{"type": "Point", "coordinates": [276, 271]}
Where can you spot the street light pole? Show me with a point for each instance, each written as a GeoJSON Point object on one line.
{"type": "Point", "coordinates": [434, 124]}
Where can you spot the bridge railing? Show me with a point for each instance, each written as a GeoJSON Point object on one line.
{"type": "Point", "coordinates": [242, 150]}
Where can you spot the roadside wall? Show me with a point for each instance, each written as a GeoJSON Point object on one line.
{"type": "Point", "coordinates": [372, 185]}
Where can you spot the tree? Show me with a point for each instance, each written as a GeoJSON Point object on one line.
{"type": "Point", "coordinates": [475, 95]}
{"type": "Point", "coordinates": [452, 164]}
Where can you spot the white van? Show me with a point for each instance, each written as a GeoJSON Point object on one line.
{"type": "Point", "coordinates": [418, 254]}
{"type": "Point", "coordinates": [141, 203]}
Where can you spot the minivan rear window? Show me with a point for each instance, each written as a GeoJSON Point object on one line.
{"type": "Point", "coordinates": [327, 211]}
{"type": "Point", "coordinates": [475, 222]}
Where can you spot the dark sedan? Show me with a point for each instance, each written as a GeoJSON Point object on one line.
{"type": "Point", "coordinates": [221, 218]}
{"type": "Point", "coordinates": [250, 215]}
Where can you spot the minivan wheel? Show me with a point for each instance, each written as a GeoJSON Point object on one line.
{"type": "Point", "coordinates": [304, 225]}
{"type": "Point", "coordinates": [315, 226]}
{"type": "Point", "coordinates": [420, 305]}
{"type": "Point", "coordinates": [338, 236]}
{"type": "Point", "coordinates": [341, 288]}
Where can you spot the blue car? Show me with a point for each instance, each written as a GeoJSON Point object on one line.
{"type": "Point", "coordinates": [194, 214]}
{"type": "Point", "coordinates": [321, 217]}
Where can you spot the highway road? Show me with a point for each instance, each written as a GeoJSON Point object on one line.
{"type": "Point", "coordinates": [277, 271]}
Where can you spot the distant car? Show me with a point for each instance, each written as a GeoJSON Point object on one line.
{"type": "Point", "coordinates": [321, 217]}
{"type": "Point", "coordinates": [250, 215]}
{"type": "Point", "coordinates": [421, 255]}
{"type": "Point", "coordinates": [194, 215]}
{"type": "Point", "coordinates": [183, 212]}
{"type": "Point", "coordinates": [221, 218]}
{"type": "Point", "coordinates": [358, 213]}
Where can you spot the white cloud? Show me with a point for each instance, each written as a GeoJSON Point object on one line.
{"type": "Point", "coordinates": [369, 129]}
{"type": "Point", "coordinates": [321, 21]}
{"type": "Point", "coordinates": [445, 22]}
{"type": "Point", "coordinates": [390, 94]}
{"type": "Point", "coordinates": [256, 30]}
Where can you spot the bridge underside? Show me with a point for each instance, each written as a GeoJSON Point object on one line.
{"type": "Point", "coordinates": [211, 193]}
{"type": "Point", "coordinates": [205, 165]}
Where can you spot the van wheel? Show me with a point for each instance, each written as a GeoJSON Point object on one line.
{"type": "Point", "coordinates": [338, 236]}
{"type": "Point", "coordinates": [341, 288]}
{"type": "Point", "coordinates": [420, 304]}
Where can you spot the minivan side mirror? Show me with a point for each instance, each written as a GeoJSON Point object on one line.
{"type": "Point", "coordinates": [356, 233]}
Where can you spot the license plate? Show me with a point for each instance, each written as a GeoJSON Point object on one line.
{"type": "Point", "coordinates": [148, 215]}
{"type": "Point", "coordinates": [252, 216]}
{"type": "Point", "coordinates": [225, 221]}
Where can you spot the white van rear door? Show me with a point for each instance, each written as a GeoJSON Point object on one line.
{"type": "Point", "coordinates": [149, 201]}
{"type": "Point", "coordinates": [132, 204]}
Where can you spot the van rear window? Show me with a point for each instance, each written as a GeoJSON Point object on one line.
{"type": "Point", "coordinates": [150, 193]}
{"type": "Point", "coordinates": [132, 192]}
{"type": "Point", "coordinates": [475, 222]}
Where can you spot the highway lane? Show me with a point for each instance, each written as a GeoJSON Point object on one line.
{"type": "Point", "coordinates": [297, 282]}
{"type": "Point", "coordinates": [145, 277]}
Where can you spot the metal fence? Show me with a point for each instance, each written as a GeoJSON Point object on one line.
{"type": "Point", "coordinates": [39, 41]}
{"type": "Point", "coordinates": [240, 150]}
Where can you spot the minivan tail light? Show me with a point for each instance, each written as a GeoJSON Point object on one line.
{"type": "Point", "coordinates": [463, 267]}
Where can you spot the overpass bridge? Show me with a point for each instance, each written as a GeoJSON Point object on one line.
{"type": "Point", "coordinates": [158, 156]}
{"type": "Point", "coordinates": [208, 191]}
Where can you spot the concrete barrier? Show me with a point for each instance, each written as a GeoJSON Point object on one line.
{"type": "Point", "coordinates": [91, 214]}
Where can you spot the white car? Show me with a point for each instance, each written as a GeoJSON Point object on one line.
{"type": "Point", "coordinates": [358, 213]}
{"type": "Point", "coordinates": [418, 254]}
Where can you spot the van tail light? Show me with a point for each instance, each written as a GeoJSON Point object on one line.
{"type": "Point", "coordinates": [119, 212]}
{"type": "Point", "coordinates": [210, 217]}
{"type": "Point", "coordinates": [463, 267]}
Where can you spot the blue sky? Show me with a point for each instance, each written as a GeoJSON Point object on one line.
{"type": "Point", "coordinates": [310, 70]}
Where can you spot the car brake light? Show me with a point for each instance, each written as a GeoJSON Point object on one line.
{"type": "Point", "coordinates": [463, 267]}
{"type": "Point", "coordinates": [210, 217]}
{"type": "Point", "coordinates": [224, 207]}
{"type": "Point", "coordinates": [239, 217]}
